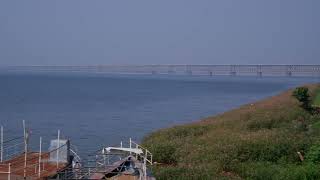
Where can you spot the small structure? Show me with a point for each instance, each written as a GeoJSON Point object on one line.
{"type": "Point", "coordinates": [19, 162]}
{"type": "Point", "coordinates": [116, 163]}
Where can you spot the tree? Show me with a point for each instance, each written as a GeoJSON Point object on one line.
{"type": "Point", "coordinates": [302, 95]}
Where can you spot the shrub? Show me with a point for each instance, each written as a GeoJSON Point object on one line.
{"type": "Point", "coordinates": [271, 171]}
{"type": "Point", "coordinates": [169, 172]}
{"type": "Point", "coordinates": [302, 95]}
{"type": "Point", "coordinates": [164, 153]}
{"type": "Point", "coordinates": [259, 142]}
{"type": "Point", "coordinates": [307, 171]}
{"type": "Point", "coordinates": [263, 151]}
{"type": "Point", "coordinates": [313, 154]}
{"type": "Point", "coordinates": [185, 173]}
{"type": "Point", "coordinates": [188, 131]}
{"type": "Point", "coordinates": [258, 170]}
{"type": "Point", "coordinates": [264, 123]}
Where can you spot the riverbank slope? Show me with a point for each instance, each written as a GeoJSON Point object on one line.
{"type": "Point", "coordinates": [270, 139]}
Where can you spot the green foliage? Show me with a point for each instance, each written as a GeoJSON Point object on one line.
{"type": "Point", "coordinates": [316, 126]}
{"type": "Point", "coordinates": [259, 141]}
{"type": "Point", "coordinates": [316, 101]}
{"type": "Point", "coordinates": [188, 131]}
{"type": "Point", "coordinates": [303, 96]}
{"type": "Point", "coordinates": [169, 172]}
{"type": "Point", "coordinates": [272, 171]}
{"type": "Point", "coordinates": [264, 151]}
{"type": "Point", "coordinates": [183, 173]}
{"type": "Point", "coordinates": [258, 170]}
{"type": "Point", "coordinates": [307, 171]}
{"type": "Point", "coordinates": [264, 123]}
{"type": "Point", "coordinates": [164, 153]}
{"type": "Point", "coordinates": [313, 154]}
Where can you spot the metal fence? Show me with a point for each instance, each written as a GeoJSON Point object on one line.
{"type": "Point", "coordinates": [18, 161]}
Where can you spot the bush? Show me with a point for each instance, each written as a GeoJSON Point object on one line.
{"type": "Point", "coordinates": [271, 171]}
{"type": "Point", "coordinates": [258, 170]}
{"type": "Point", "coordinates": [264, 151]}
{"type": "Point", "coordinates": [256, 142]}
{"type": "Point", "coordinates": [264, 123]}
{"type": "Point", "coordinates": [307, 171]}
{"type": "Point", "coordinates": [188, 131]}
{"type": "Point", "coordinates": [164, 153]}
{"type": "Point", "coordinates": [185, 173]}
{"type": "Point", "coordinates": [313, 154]}
{"type": "Point", "coordinates": [302, 95]}
{"type": "Point", "coordinates": [169, 172]}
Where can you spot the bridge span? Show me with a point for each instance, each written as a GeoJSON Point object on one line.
{"type": "Point", "coordinates": [209, 70]}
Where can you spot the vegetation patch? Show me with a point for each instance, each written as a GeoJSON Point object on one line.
{"type": "Point", "coordinates": [313, 155]}
{"type": "Point", "coordinates": [316, 101]}
{"type": "Point", "coordinates": [276, 138]}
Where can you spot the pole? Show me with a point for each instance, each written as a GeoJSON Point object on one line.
{"type": "Point", "coordinates": [137, 148]}
{"type": "Point", "coordinates": [130, 145]}
{"type": "Point", "coordinates": [39, 170]}
{"type": "Point", "coordinates": [58, 146]}
{"type": "Point", "coordinates": [25, 148]}
{"type": "Point", "coordinates": [1, 144]}
{"type": "Point", "coordinates": [145, 165]}
{"type": "Point", "coordinates": [9, 171]}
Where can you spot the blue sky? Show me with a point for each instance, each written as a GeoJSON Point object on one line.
{"type": "Point", "coordinates": [78, 32]}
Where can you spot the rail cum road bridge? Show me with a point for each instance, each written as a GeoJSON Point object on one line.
{"type": "Point", "coordinates": [209, 70]}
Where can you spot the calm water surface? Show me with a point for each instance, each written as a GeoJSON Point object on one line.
{"type": "Point", "coordinates": [95, 110]}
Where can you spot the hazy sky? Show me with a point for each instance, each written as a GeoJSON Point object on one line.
{"type": "Point", "coordinates": [78, 32]}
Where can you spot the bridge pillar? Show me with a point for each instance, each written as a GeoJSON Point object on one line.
{"type": "Point", "coordinates": [289, 71]}
{"type": "Point", "coordinates": [171, 70]}
{"type": "Point", "coordinates": [259, 71]}
{"type": "Point", "coordinates": [233, 70]}
{"type": "Point", "coordinates": [259, 74]}
{"type": "Point", "coordinates": [188, 70]}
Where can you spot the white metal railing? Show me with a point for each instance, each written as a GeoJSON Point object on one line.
{"type": "Point", "coordinates": [75, 155]}
{"type": "Point", "coordinates": [8, 171]}
{"type": "Point", "coordinates": [146, 153]}
{"type": "Point", "coordinates": [108, 158]}
{"type": "Point", "coordinates": [33, 165]}
{"type": "Point", "coordinates": [12, 150]}
{"type": "Point", "coordinates": [10, 147]}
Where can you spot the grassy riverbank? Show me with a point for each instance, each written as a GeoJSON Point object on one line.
{"type": "Point", "coordinates": [262, 140]}
{"type": "Point", "coordinates": [316, 101]}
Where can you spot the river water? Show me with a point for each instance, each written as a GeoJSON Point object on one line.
{"type": "Point", "coordinates": [95, 110]}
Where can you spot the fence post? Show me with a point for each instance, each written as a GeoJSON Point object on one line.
{"type": "Point", "coordinates": [58, 146]}
{"type": "Point", "coordinates": [130, 144]}
{"type": "Point", "coordinates": [1, 144]}
{"type": "Point", "coordinates": [137, 148]}
{"type": "Point", "coordinates": [9, 171]}
{"type": "Point", "coordinates": [39, 170]}
{"type": "Point", "coordinates": [25, 148]}
{"type": "Point", "coordinates": [145, 164]}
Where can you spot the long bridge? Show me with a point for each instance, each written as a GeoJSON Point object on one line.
{"type": "Point", "coordinates": [209, 70]}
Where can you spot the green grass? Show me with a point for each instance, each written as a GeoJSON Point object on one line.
{"type": "Point", "coordinates": [258, 141]}
{"type": "Point", "coordinates": [316, 101]}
